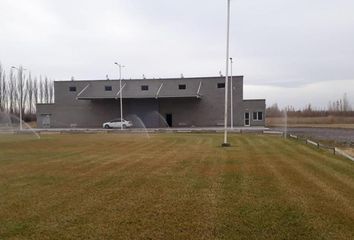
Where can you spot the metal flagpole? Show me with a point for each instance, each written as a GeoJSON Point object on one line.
{"type": "Point", "coordinates": [120, 94]}
{"type": "Point", "coordinates": [231, 97]}
{"type": "Point", "coordinates": [225, 143]}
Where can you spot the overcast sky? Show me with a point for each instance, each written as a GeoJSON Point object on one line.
{"type": "Point", "coordinates": [290, 51]}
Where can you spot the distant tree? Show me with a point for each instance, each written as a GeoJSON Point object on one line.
{"type": "Point", "coordinates": [35, 91]}
{"type": "Point", "coordinates": [51, 91]}
{"type": "Point", "coordinates": [289, 108]}
{"type": "Point", "coordinates": [346, 104]}
{"type": "Point", "coordinates": [46, 90]}
{"type": "Point", "coordinates": [30, 94]}
{"type": "Point", "coordinates": [24, 93]}
{"type": "Point", "coordinates": [273, 111]}
{"type": "Point", "coordinates": [41, 90]}
{"type": "Point", "coordinates": [308, 108]}
{"type": "Point", "coordinates": [20, 92]}
{"type": "Point", "coordinates": [12, 92]}
{"type": "Point", "coordinates": [340, 105]}
{"type": "Point", "coordinates": [2, 90]}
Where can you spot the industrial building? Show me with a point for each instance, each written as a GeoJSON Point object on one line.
{"type": "Point", "coordinates": [151, 103]}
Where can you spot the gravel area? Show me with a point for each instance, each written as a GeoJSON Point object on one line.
{"type": "Point", "coordinates": [326, 134]}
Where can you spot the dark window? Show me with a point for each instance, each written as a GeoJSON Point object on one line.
{"type": "Point", "coordinates": [144, 88]}
{"type": "Point", "coordinates": [116, 120]}
{"type": "Point", "coordinates": [72, 89]}
{"type": "Point", "coordinates": [108, 88]}
{"type": "Point", "coordinates": [255, 116]}
{"type": "Point", "coordinates": [182, 86]}
{"type": "Point", "coordinates": [221, 85]}
{"type": "Point", "coordinates": [258, 116]}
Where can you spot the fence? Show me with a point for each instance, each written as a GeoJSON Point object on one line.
{"type": "Point", "coordinates": [334, 150]}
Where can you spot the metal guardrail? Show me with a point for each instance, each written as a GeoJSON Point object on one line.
{"type": "Point", "coordinates": [273, 132]}
{"type": "Point", "coordinates": [308, 141]}
{"type": "Point", "coordinates": [344, 154]}
{"type": "Point", "coordinates": [334, 150]}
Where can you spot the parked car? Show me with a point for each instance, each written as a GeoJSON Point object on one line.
{"type": "Point", "coordinates": [117, 123]}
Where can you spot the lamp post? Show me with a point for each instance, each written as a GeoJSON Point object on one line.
{"type": "Point", "coordinates": [225, 143]}
{"type": "Point", "coordinates": [20, 77]}
{"type": "Point", "coordinates": [231, 97]}
{"type": "Point", "coordinates": [120, 93]}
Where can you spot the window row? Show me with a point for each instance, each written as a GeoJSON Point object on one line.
{"type": "Point", "coordinates": [146, 87]}
{"type": "Point", "coordinates": [180, 87]}
{"type": "Point", "coordinates": [143, 88]}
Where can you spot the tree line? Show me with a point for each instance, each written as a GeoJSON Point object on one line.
{"type": "Point", "coordinates": [20, 91]}
{"type": "Point", "coordinates": [339, 107]}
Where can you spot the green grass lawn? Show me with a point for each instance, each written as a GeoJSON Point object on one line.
{"type": "Point", "coordinates": [172, 186]}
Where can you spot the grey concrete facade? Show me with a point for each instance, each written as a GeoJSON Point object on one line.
{"type": "Point", "coordinates": [190, 102]}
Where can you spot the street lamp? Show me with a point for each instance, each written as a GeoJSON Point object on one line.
{"type": "Point", "coordinates": [225, 143]}
{"type": "Point", "coordinates": [231, 97]}
{"type": "Point", "coordinates": [120, 93]}
{"type": "Point", "coordinates": [20, 71]}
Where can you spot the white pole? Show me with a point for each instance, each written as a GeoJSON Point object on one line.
{"type": "Point", "coordinates": [232, 95]}
{"type": "Point", "coordinates": [20, 76]}
{"type": "Point", "coordinates": [225, 144]}
{"type": "Point", "coordinates": [120, 93]}
{"type": "Point", "coordinates": [120, 96]}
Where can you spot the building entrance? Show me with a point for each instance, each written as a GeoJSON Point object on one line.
{"type": "Point", "coordinates": [169, 119]}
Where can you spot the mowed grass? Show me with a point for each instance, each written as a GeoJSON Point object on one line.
{"type": "Point", "coordinates": [172, 186]}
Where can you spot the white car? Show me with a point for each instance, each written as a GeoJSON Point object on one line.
{"type": "Point", "coordinates": [117, 123]}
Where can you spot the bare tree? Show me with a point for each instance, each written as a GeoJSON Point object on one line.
{"type": "Point", "coordinates": [51, 92]}
{"type": "Point", "coordinates": [35, 91]}
{"type": "Point", "coordinates": [46, 90]}
{"type": "Point", "coordinates": [273, 111]}
{"type": "Point", "coordinates": [24, 93]}
{"type": "Point", "coordinates": [12, 92]}
{"type": "Point", "coordinates": [2, 92]}
{"type": "Point", "coordinates": [41, 90]}
{"type": "Point", "coordinates": [30, 94]}
{"type": "Point", "coordinates": [20, 92]}
{"type": "Point", "coordinates": [4, 95]}
{"type": "Point", "coordinates": [346, 104]}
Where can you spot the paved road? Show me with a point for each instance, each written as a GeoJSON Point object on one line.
{"type": "Point", "coordinates": [329, 134]}
{"type": "Point", "coordinates": [195, 129]}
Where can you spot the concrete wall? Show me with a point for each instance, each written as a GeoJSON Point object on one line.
{"type": "Point", "coordinates": [95, 105]}
{"type": "Point", "coordinates": [255, 105]}
{"type": "Point", "coordinates": [83, 114]}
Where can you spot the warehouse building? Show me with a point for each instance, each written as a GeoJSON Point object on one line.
{"type": "Point", "coordinates": [151, 103]}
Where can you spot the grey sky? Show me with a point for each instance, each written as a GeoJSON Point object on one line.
{"type": "Point", "coordinates": [296, 48]}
